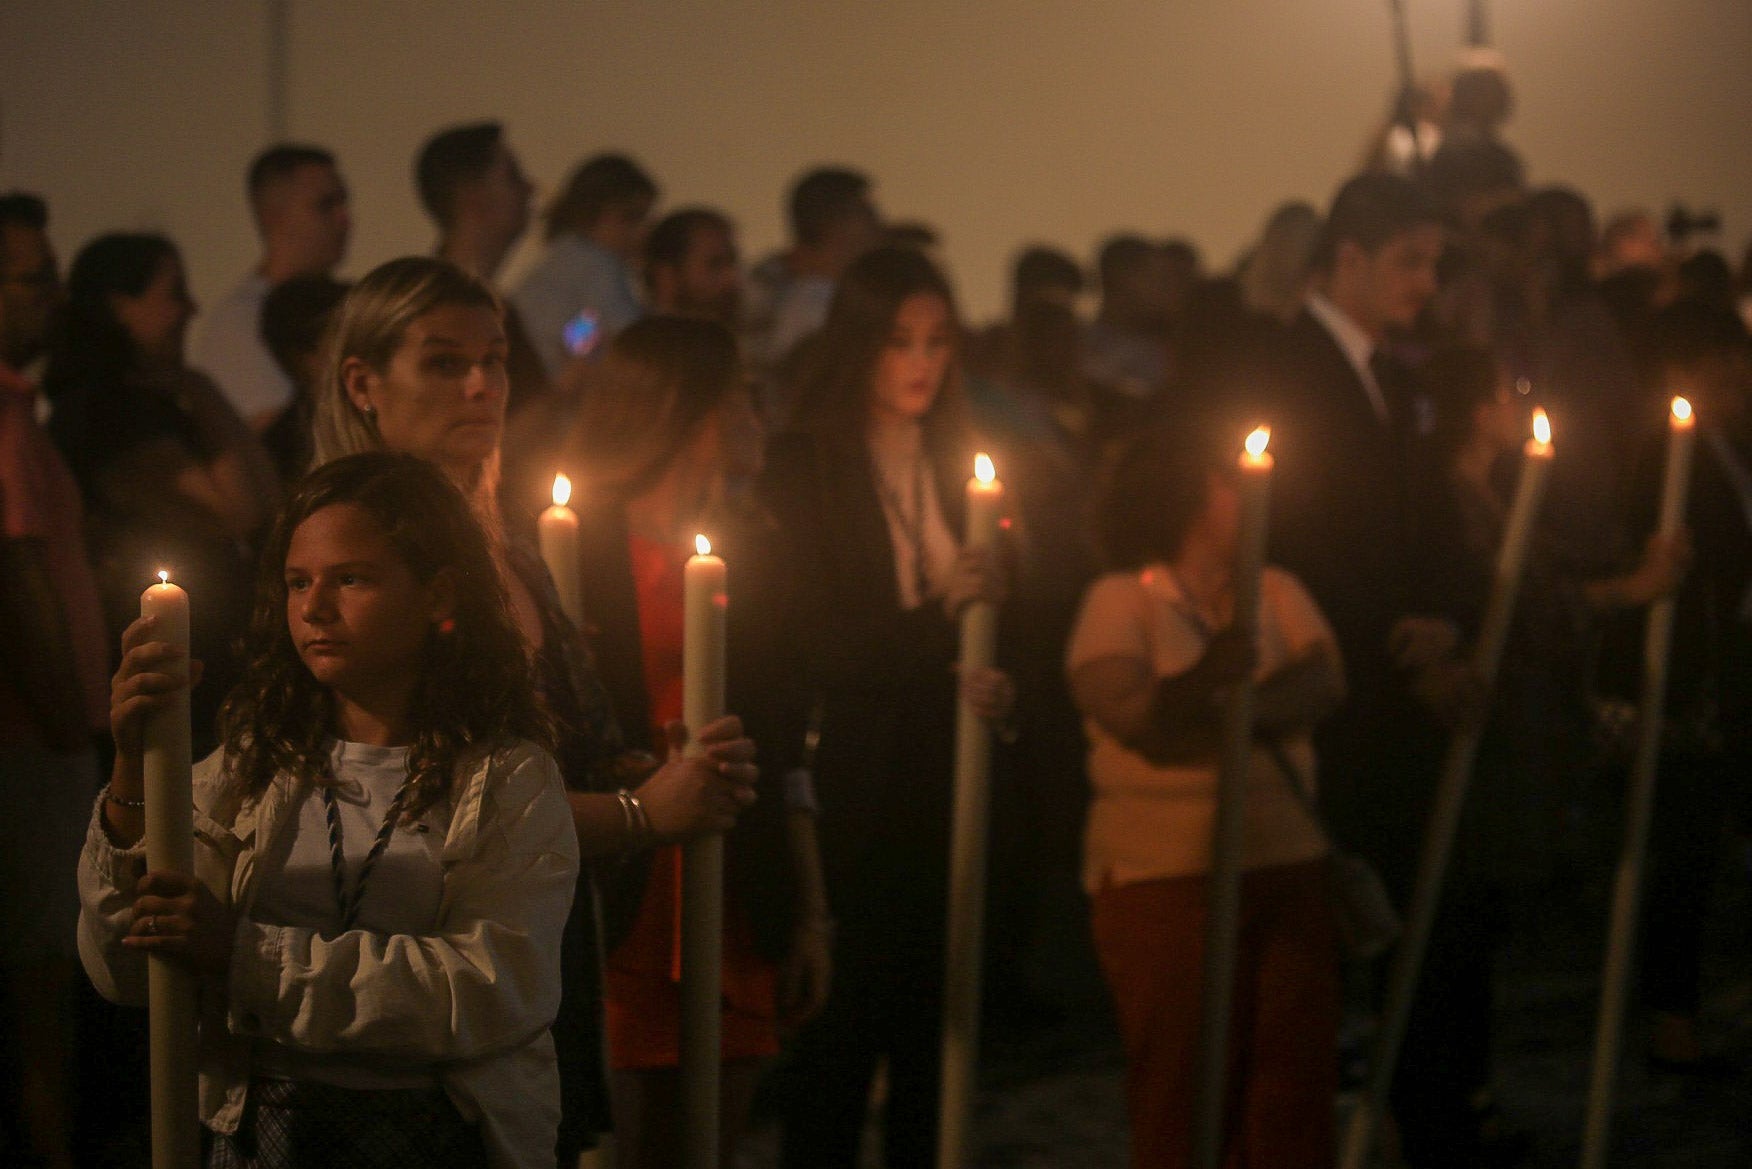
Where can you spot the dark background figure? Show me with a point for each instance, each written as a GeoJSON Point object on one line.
{"type": "Point", "coordinates": [53, 715]}
{"type": "Point", "coordinates": [587, 279]}
{"type": "Point", "coordinates": [691, 266]}
{"type": "Point", "coordinates": [294, 316]}
{"type": "Point", "coordinates": [299, 203]}
{"type": "Point", "coordinates": [1703, 352]}
{"type": "Point", "coordinates": [173, 479]}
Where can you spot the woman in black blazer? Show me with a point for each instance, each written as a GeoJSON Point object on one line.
{"type": "Point", "coordinates": [868, 496]}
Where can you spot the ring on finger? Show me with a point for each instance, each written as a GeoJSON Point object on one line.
{"type": "Point", "coordinates": [152, 923]}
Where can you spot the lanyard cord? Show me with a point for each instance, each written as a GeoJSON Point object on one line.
{"type": "Point", "coordinates": [349, 906]}
{"type": "Point", "coordinates": [913, 527]}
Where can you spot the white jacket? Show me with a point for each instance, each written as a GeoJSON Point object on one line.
{"type": "Point", "coordinates": [474, 998]}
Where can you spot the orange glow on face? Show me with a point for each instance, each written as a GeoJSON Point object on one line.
{"type": "Point", "coordinates": [562, 491]}
{"type": "Point", "coordinates": [702, 546]}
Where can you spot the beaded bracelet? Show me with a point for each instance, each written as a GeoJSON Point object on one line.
{"type": "Point", "coordinates": [110, 797]}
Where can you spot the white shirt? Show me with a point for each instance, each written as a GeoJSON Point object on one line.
{"type": "Point", "coordinates": [229, 347]}
{"type": "Point", "coordinates": [402, 896]}
{"type": "Point", "coordinates": [1358, 347]}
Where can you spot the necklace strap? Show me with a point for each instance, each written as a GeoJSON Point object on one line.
{"type": "Point", "coordinates": [912, 527]}
{"type": "Point", "coordinates": [349, 905]}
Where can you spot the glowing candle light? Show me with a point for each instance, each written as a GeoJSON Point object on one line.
{"type": "Point", "coordinates": [1640, 805]}
{"type": "Point", "coordinates": [705, 609]}
{"type": "Point", "coordinates": [557, 531]}
{"type": "Point", "coordinates": [968, 844]}
{"type": "Point", "coordinates": [170, 847]}
{"type": "Point", "coordinates": [1451, 788]}
{"type": "Point", "coordinates": [1222, 926]}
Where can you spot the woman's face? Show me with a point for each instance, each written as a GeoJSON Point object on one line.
{"type": "Point", "coordinates": [728, 444]}
{"type": "Point", "coordinates": [915, 358]}
{"type": "Point", "coordinates": [157, 318]}
{"type": "Point", "coordinates": [442, 395]}
{"type": "Point", "coordinates": [357, 615]}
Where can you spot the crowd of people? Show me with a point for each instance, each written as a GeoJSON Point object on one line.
{"type": "Point", "coordinates": [435, 913]}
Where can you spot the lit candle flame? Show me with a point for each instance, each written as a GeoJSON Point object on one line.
{"type": "Point", "coordinates": [163, 576]}
{"type": "Point", "coordinates": [983, 469]}
{"type": "Point", "coordinates": [702, 545]}
{"type": "Point", "coordinates": [1681, 410]}
{"type": "Point", "coordinates": [1541, 428]}
{"type": "Point", "coordinates": [1257, 441]}
{"type": "Point", "coordinates": [562, 491]}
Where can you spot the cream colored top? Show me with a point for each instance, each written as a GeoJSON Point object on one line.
{"type": "Point", "coordinates": [1148, 822]}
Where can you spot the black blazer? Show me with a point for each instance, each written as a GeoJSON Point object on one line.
{"type": "Point", "coordinates": [1342, 518]}
{"type": "Point", "coordinates": [880, 677]}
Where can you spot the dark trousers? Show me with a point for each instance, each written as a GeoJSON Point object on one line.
{"type": "Point", "coordinates": [887, 1001]}
{"type": "Point", "coordinates": [1685, 843]}
{"type": "Point", "coordinates": [1444, 1060]}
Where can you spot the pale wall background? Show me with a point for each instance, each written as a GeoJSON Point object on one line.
{"type": "Point", "coordinates": [1001, 121]}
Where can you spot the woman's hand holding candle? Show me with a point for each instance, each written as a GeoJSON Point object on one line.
{"type": "Point", "coordinates": [688, 797]}
{"type": "Point", "coordinates": [977, 575]}
{"type": "Point", "coordinates": [990, 692]}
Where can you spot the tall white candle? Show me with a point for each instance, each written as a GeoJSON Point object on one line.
{"type": "Point", "coordinates": [705, 610]}
{"type": "Point", "coordinates": [1450, 797]}
{"type": "Point", "coordinates": [170, 847]}
{"type": "Point", "coordinates": [557, 530]}
{"type": "Point", "coordinates": [967, 856]}
{"type": "Point", "coordinates": [1222, 926]}
{"type": "Point", "coordinates": [1640, 807]}
{"type": "Point", "coordinates": [1681, 434]}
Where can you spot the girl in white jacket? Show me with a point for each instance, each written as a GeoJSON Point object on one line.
{"type": "Point", "coordinates": [384, 853]}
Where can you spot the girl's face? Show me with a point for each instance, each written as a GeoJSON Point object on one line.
{"type": "Point", "coordinates": [157, 319]}
{"type": "Point", "coordinates": [915, 359]}
{"type": "Point", "coordinates": [442, 396]}
{"type": "Point", "coordinates": [357, 616]}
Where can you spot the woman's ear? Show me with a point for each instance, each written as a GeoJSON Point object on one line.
{"type": "Point", "coordinates": [358, 379]}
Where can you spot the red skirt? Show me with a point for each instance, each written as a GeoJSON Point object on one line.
{"type": "Point", "coordinates": [642, 991]}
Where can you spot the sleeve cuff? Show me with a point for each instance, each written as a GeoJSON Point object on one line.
{"type": "Point", "coordinates": [118, 868]}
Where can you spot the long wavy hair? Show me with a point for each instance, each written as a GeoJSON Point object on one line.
{"type": "Point", "coordinates": [658, 380]}
{"type": "Point", "coordinates": [840, 376]}
{"type": "Point", "coordinates": [473, 690]}
{"type": "Point", "coordinates": [370, 325]}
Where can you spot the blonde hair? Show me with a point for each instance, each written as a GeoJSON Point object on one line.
{"type": "Point", "coordinates": [369, 325]}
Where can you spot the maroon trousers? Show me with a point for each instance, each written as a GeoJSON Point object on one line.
{"type": "Point", "coordinates": [1283, 1041]}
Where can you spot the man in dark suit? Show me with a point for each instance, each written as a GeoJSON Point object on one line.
{"type": "Point", "coordinates": [1342, 416]}
{"type": "Point", "coordinates": [1344, 419]}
